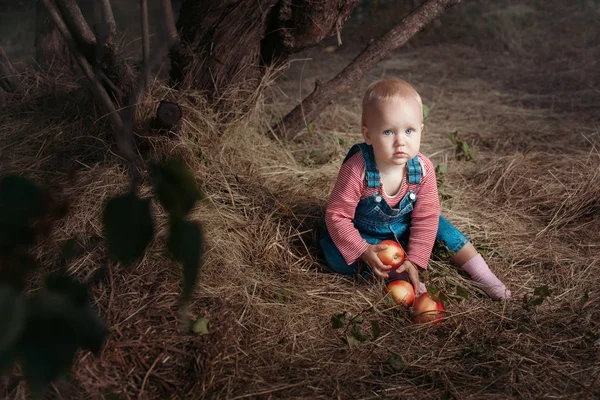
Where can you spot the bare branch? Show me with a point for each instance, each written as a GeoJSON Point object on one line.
{"type": "Point", "coordinates": [8, 73]}
{"type": "Point", "coordinates": [97, 88]}
{"type": "Point", "coordinates": [169, 20]}
{"type": "Point", "coordinates": [107, 16]}
{"type": "Point", "coordinates": [76, 23]}
{"type": "Point", "coordinates": [323, 95]}
{"type": "Point", "coordinates": [145, 40]}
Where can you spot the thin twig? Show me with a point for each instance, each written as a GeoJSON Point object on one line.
{"type": "Point", "coordinates": [108, 17]}
{"type": "Point", "coordinates": [97, 88]}
{"type": "Point", "coordinates": [169, 20]}
{"type": "Point", "coordinates": [8, 74]}
{"type": "Point", "coordinates": [145, 40]}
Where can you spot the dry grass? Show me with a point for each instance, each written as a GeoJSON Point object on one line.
{"type": "Point", "coordinates": [530, 202]}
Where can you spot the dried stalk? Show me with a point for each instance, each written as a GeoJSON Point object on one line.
{"type": "Point", "coordinates": [8, 74]}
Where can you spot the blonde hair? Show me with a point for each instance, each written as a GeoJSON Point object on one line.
{"type": "Point", "coordinates": [391, 89]}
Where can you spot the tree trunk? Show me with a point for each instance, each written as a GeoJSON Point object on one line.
{"type": "Point", "coordinates": [220, 44]}
{"type": "Point", "coordinates": [225, 45]}
{"type": "Point", "coordinates": [50, 48]}
{"type": "Point", "coordinates": [324, 94]}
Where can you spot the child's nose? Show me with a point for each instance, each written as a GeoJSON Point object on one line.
{"type": "Point", "coordinates": [400, 139]}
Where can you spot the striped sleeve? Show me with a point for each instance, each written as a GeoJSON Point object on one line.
{"type": "Point", "coordinates": [342, 204]}
{"type": "Point", "coordinates": [424, 218]}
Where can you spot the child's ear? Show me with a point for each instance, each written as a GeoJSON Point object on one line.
{"type": "Point", "coordinates": [422, 126]}
{"type": "Point", "coordinates": [365, 133]}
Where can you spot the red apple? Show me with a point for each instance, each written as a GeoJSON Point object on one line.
{"type": "Point", "coordinates": [393, 255]}
{"type": "Point", "coordinates": [402, 292]}
{"type": "Point", "coordinates": [426, 309]}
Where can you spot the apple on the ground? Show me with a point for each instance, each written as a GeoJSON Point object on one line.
{"type": "Point", "coordinates": [402, 292]}
{"type": "Point", "coordinates": [426, 309]}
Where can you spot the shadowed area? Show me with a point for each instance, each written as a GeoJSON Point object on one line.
{"type": "Point", "coordinates": [517, 81]}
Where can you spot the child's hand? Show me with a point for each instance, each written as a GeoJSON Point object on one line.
{"type": "Point", "coordinates": [413, 273]}
{"type": "Point", "coordinates": [369, 256]}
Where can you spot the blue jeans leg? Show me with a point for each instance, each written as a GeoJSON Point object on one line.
{"type": "Point", "coordinates": [450, 236]}
{"type": "Point", "coordinates": [332, 255]}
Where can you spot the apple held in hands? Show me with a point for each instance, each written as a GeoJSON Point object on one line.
{"type": "Point", "coordinates": [402, 292]}
{"type": "Point", "coordinates": [426, 309]}
{"type": "Point", "coordinates": [393, 255]}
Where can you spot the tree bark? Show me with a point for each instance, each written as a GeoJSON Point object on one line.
{"type": "Point", "coordinates": [51, 51]}
{"type": "Point", "coordinates": [78, 26]}
{"type": "Point", "coordinates": [323, 95]}
{"type": "Point", "coordinates": [226, 44]}
{"type": "Point", "coordinates": [300, 24]}
{"type": "Point", "coordinates": [220, 44]}
{"type": "Point", "coordinates": [8, 75]}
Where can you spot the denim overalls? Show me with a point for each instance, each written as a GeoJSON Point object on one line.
{"type": "Point", "coordinates": [377, 221]}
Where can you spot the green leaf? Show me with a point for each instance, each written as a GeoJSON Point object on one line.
{"type": "Point", "coordinates": [13, 314]}
{"type": "Point", "coordinates": [338, 320]}
{"type": "Point", "coordinates": [352, 341]}
{"type": "Point", "coordinates": [57, 326]}
{"type": "Point", "coordinates": [357, 333]}
{"type": "Point", "coordinates": [14, 270]}
{"type": "Point", "coordinates": [441, 169]}
{"type": "Point", "coordinates": [8, 358]}
{"type": "Point", "coordinates": [128, 227]}
{"type": "Point", "coordinates": [67, 249]}
{"type": "Point", "coordinates": [396, 362]}
{"type": "Point", "coordinates": [453, 136]}
{"type": "Point", "coordinates": [462, 292]}
{"type": "Point", "coordinates": [175, 187]}
{"type": "Point", "coordinates": [536, 301]}
{"type": "Point", "coordinates": [433, 291]}
{"type": "Point", "coordinates": [375, 329]}
{"type": "Point", "coordinates": [201, 325]}
{"type": "Point", "coordinates": [541, 291]}
{"type": "Point", "coordinates": [425, 111]}
{"type": "Point", "coordinates": [187, 246]}
{"type": "Point", "coordinates": [67, 286]}
{"type": "Point", "coordinates": [21, 203]}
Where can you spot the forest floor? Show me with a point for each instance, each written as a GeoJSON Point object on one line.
{"type": "Point", "coordinates": [516, 80]}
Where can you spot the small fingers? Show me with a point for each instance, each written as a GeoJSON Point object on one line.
{"type": "Point", "coordinates": [380, 273]}
{"type": "Point", "coordinates": [380, 247]}
{"type": "Point", "coordinates": [380, 269]}
{"type": "Point", "coordinates": [401, 269]}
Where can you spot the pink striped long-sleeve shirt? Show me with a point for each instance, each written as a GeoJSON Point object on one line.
{"type": "Point", "coordinates": [350, 187]}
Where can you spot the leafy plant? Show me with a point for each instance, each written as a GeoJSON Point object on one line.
{"type": "Point", "coordinates": [463, 150]}
{"type": "Point", "coordinates": [540, 293]}
{"type": "Point", "coordinates": [440, 174]}
{"type": "Point", "coordinates": [354, 332]}
{"type": "Point", "coordinates": [43, 331]}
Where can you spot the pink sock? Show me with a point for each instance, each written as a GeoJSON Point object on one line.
{"type": "Point", "coordinates": [485, 278]}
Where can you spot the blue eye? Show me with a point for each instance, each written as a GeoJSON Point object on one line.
{"type": "Point", "coordinates": [388, 132]}
{"type": "Point", "coordinates": [409, 131]}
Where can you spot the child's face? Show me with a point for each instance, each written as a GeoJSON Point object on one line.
{"type": "Point", "coordinates": [394, 129]}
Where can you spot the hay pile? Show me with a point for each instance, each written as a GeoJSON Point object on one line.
{"type": "Point", "coordinates": [530, 202]}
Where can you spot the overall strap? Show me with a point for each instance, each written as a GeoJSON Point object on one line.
{"type": "Point", "coordinates": [371, 172]}
{"type": "Point", "coordinates": [414, 171]}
